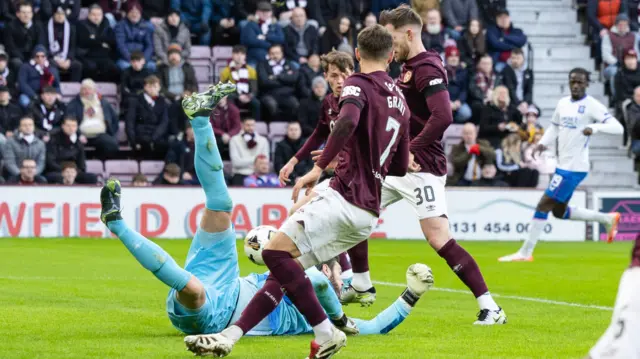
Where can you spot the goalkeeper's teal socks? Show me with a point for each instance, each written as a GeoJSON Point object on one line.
{"type": "Point", "coordinates": [387, 320]}
{"type": "Point", "coordinates": [325, 293]}
{"type": "Point", "coordinates": [151, 256]}
{"type": "Point", "coordinates": [209, 166]}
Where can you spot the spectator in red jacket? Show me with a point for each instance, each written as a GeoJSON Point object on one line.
{"type": "Point", "coordinates": [225, 120]}
{"type": "Point", "coordinates": [262, 176]}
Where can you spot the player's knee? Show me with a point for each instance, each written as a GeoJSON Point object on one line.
{"type": "Point", "coordinates": [559, 211]}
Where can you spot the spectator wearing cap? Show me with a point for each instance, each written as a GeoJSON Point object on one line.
{"type": "Point", "coordinates": [132, 79]}
{"type": "Point", "coordinates": [259, 35]}
{"type": "Point", "coordinates": [147, 121]}
{"type": "Point", "coordinates": [65, 146]}
{"type": "Point", "coordinates": [98, 121]}
{"type": "Point", "coordinates": [278, 81]}
{"type": "Point", "coordinates": [615, 43]}
{"type": "Point", "coordinates": [627, 78]}
{"type": "Point", "coordinates": [530, 126]}
{"type": "Point", "coordinates": [196, 14]}
{"type": "Point", "coordinates": [96, 43]}
{"type": "Point", "coordinates": [469, 156]}
{"type": "Point", "coordinates": [24, 144]}
{"type": "Point", "coordinates": [177, 78]}
{"type": "Point", "coordinates": [10, 114]}
{"type": "Point", "coordinates": [458, 13]}
{"type": "Point", "coordinates": [114, 10]}
{"type": "Point", "coordinates": [502, 38]}
{"type": "Point", "coordinates": [262, 176]}
{"type": "Point", "coordinates": [434, 35]}
{"type": "Point", "coordinates": [134, 34]}
{"type": "Point", "coordinates": [458, 85]}
{"type": "Point", "coordinates": [301, 38]}
{"type": "Point", "coordinates": [182, 153]}
{"type": "Point", "coordinates": [61, 43]}
{"type": "Point", "coordinates": [243, 150]}
{"type": "Point", "coordinates": [519, 81]}
{"type": "Point", "coordinates": [47, 112]}
{"type": "Point", "coordinates": [27, 174]}
{"type": "Point", "coordinates": [287, 148]}
{"type": "Point", "coordinates": [171, 32]}
{"type": "Point", "coordinates": [8, 77]}
{"type": "Point", "coordinates": [225, 30]}
{"type": "Point", "coordinates": [170, 176]}
{"type": "Point", "coordinates": [308, 72]}
{"type": "Point", "coordinates": [246, 79]}
{"type": "Point", "coordinates": [36, 75]}
{"type": "Point", "coordinates": [225, 120]}
{"type": "Point", "coordinates": [22, 35]}
{"type": "Point", "coordinates": [70, 8]}
{"type": "Point", "coordinates": [472, 44]}
{"type": "Point", "coordinates": [311, 107]}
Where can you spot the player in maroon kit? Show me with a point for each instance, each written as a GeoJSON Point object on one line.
{"type": "Point", "coordinates": [373, 131]}
{"type": "Point", "coordinates": [424, 84]}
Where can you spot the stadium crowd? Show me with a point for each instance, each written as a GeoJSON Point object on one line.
{"type": "Point", "coordinates": [146, 47]}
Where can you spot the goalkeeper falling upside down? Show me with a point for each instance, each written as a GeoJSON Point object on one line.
{"type": "Point", "coordinates": [208, 293]}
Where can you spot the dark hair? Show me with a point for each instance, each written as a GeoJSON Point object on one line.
{"type": "Point", "coordinates": [248, 119]}
{"type": "Point", "coordinates": [137, 55]}
{"type": "Point", "coordinates": [339, 59]}
{"type": "Point", "coordinates": [151, 79]}
{"type": "Point", "coordinates": [49, 89]}
{"type": "Point", "coordinates": [517, 51]}
{"type": "Point", "coordinates": [330, 263]}
{"type": "Point", "coordinates": [294, 122]}
{"type": "Point", "coordinates": [375, 43]}
{"type": "Point", "coordinates": [400, 16]}
{"type": "Point", "coordinates": [69, 164]}
{"type": "Point", "coordinates": [26, 117]}
{"type": "Point", "coordinates": [239, 49]}
{"type": "Point", "coordinates": [95, 6]}
{"type": "Point", "coordinates": [20, 4]}
{"type": "Point", "coordinates": [171, 169]}
{"type": "Point", "coordinates": [276, 45]}
{"type": "Point", "coordinates": [69, 118]}
{"type": "Point", "coordinates": [581, 71]}
{"type": "Point", "coordinates": [139, 178]}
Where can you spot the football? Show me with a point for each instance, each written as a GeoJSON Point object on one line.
{"type": "Point", "coordinates": [255, 241]}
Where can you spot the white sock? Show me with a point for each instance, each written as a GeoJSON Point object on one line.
{"type": "Point", "coordinates": [233, 332]}
{"type": "Point", "coordinates": [583, 214]}
{"type": "Point", "coordinates": [346, 274]}
{"type": "Point", "coordinates": [323, 331]}
{"type": "Point", "coordinates": [486, 301]}
{"type": "Point", "coordinates": [535, 228]}
{"type": "Point", "coordinates": [361, 281]}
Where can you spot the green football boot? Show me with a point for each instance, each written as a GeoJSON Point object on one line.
{"type": "Point", "coordinates": [201, 104]}
{"type": "Point", "coordinates": [110, 200]}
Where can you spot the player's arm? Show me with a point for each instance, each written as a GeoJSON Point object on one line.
{"type": "Point", "coordinates": [343, 130]}
{"type": "Point", "coordinates": [400, 161]}
{"type": "Point", "coordinates": [605, 122]}
{"type": "Point", "coordinates": [551, 133]}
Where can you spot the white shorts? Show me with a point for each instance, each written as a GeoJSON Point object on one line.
{"type": "Point", "coordinates": [621, 340]}
{"type": "Point", "coordinates": [424, 191]}
{"type": "Point", "coordinates": [327, 226]}
{"type": "Point", "coordinates": [322, 186]}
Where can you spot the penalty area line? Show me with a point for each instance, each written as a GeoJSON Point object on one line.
{"type": "Point", "coordinates": [514, 297]}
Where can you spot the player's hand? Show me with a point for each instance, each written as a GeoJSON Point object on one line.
{"type": "Point", "coordinates": [538, 150]}
{"type": "Point", "coordinates": [419, 278]}
{"type": "Point", "coordinates": [307, 181]}
{"type": "Point", "coordinates": [588, 131]}
{"type": "Point", "coordinates": [347, 325]}
{"type": "Point", "coordinates": [413, 166]}
{"type": "Point", "coordinates": [283, 176]}
{"type": "Point", "coordinates": [315, 155]}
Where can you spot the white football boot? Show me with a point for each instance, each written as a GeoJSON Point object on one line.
{"type": "Point", "coordinates": [491, 317]}
{"type": "Point", "coordinates": [329, 348]}
{"type": "Point", "coordinates": [216, 345]}
{"type": "Point", "coordinates": [516, 257]}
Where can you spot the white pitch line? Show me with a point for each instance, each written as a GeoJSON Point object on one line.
{"type": "Point", "coordinates": [515, 297]}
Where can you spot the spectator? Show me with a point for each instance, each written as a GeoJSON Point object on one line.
{"type": "Point", "coordinates": [632, 11]}
{"type": "Point", "coordinates": [69, 173]}
{"type": "Point", "coordinates": [22, 35]}
{"type": "Point", "coordinates": [114, 10]}
{"type": "Point", "coordinates": [170, 176]}
{"type": "Point", "coordinates": [287, 148]}
{"type": "Point", "coordinates": [627, 78]}
{"type": "Point", "coordinates": [140, 180]}
{"type": "Point", "coordinates": [615, 43]}
{"type": "Point", "coordinates": [311, 107]}
{"type": "Point", "coordinates": [301, 38]}
{"type": "Point", "coordinates": [25, 144]}
{"type": "Point", "coordinates": [500, 118]}
{"type": "Point", "coordinates": [472, 45]}
{"type": "Point", "coordinates": [177, 118]}
{"type": "Point", "coordinates": [459, 13]}
{"type": "Point", "coordinates": [155, 10]}
{"type": "Point", "coordinates": [148, 121]}
{"type": "Point", "coordinates": [519, 80]}
{"type": "Point", "coordinates": [469, 156]}
{"type": "Point", "coordinates": [544, 163]}
{"type": "Point", "coordinates": [308, 72]}
{"type": "Point", "coordinates": [225, 120]}
{"type": "Point", "coordinates": [377, 6]}
{"type": "Point", "coordinates": [602, 14]}
{"type": "Point", "coordinates": [284, 10]}
{"type": "Point", "coordinates": [423, 6]}
{"type": "Point", "coordinates": [259, 35]}
{"type": "Point", "coordinates": [95, 46]}
{"type": "Point", "coordinates": [246, 79]}
{"type": "Point", "coordinates": [484, 80]}
{"type": "Point", "coordinates": [458, 85]}
{"type": "Point", "coordinates": [35, 75]}
{"type": "Point", "coordinates": [243, 149]}
{"type": "Point", "coordinates": [8, 76]}
{"type": "Point", "coordinates": [47, 112]}
{"type": "Point", "coordinates": [196, 15]}
{"type": "Point", "coordinates": [278, 81]}
{"type": "Point", "coordinates": [61, 43]}
{"type": "Point", "coordinates": [511, 164]}
{"type": "Point", "coordinates": [502, 38]}
{"type": "Point", "coordinates": [489, 9]}
{"type": "Point", "coordinates": [70, 9]}
{"type": "Point", "coordinates": [434, 36]}
{"type": "Point", "coordinates": [171, 32]}
{"type": "Point", "coordinates": [339, 33]}
{"type": "Point", "coordinates": [261, 176]}
{"type": "Point", "coordinates": [65, 146]}
{"type": "Point", "coordinates": [178, 77]}
{"type": "Point", "coordinates": [633, 121]}
{"type": "Point", "coordinates": [9, 116]}
{"type": "Point", "coordinates": [132, 79]}
{"type": "Point", "coordinates": [98, 121]}
{"type": "Point", "coordinates": [181, 153]}
{"type": "Point", "coordinates": [370, 20]}
{"type": "Point", "coordinates": [27, 174]}
{"type": "Point", "coordinates": [134, 34]}
{"type": "Point", "coordinates": [530, 127]}
{"type": "Point", "coordinates": [488, 178]}
{"type": "Point", "coordinates": [225, 30]}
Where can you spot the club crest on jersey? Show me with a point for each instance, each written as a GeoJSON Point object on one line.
{"type": "Point", "coordinates": [407, 76]}
{"type": "Point", "coordinates": [581, 109]}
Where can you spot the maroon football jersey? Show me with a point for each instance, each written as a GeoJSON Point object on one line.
{"type": "Point", "coordinates": [328, 116]}
{"type": "Point", "coordinates": [380, 138]}
{"type": "Point", "coordinates": [635, 253]}
{"type": "Point", "coordinates": [420, 75]}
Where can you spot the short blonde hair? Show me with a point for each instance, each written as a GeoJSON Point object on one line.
{"type": "Point", "coordinates": [88, 83]}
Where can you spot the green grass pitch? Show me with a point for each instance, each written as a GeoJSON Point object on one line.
{"type": "Point", "coordinates": [82, 298]}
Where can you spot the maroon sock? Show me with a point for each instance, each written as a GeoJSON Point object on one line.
{"type": "Point", "coordinates": [359, 256]}
{"type": "Point", "coordinates": [464, 266]}
{"type": "Point", "coordinates": [345, 263]}
{"type": "Point", "coordinates": [296, 284]}
{"type": "Point", "coordinates": [261, 305]}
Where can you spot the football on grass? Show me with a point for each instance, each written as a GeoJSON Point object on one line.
{"type": "Point", "coordinates": [255, 241]}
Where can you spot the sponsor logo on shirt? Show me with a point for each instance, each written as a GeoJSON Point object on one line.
{"type": "Point", "coordinates": [581, 109]}
{"type": "Point", "coordinates": [435, 82]}
{"type": "Point", "coordinates": [351, 91]}
{"type": "Point", "coordinates": [407, 76]}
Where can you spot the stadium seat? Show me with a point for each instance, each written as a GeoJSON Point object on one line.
{"type": "Point", "coordinates": [200, 52]}
{"type": "Point", "coordinates": [122, 134]}
{"type": "Point", "coordinates": [202, 87]}
{"type": "Point", "coordinates": [69, 90]}
{"type": "Point", "coordinates": [203, 74]}
{"type": "Point", "coordinates": [222, 52]}
{"type": "Point", "coordinates": [226, 167]}
{"type": "Point", "coordinates": [151, 168]}
{"type": "Point", "coordinates": [121, 169]}
{"type": "Point", "coordinates": [278, 129]}
{"type": "Point", "coordinates": [95, 166]}
{"type": "Point", "coordinates": [84, 13]}
{"type": "Point", "coordinates": [261, 129]}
